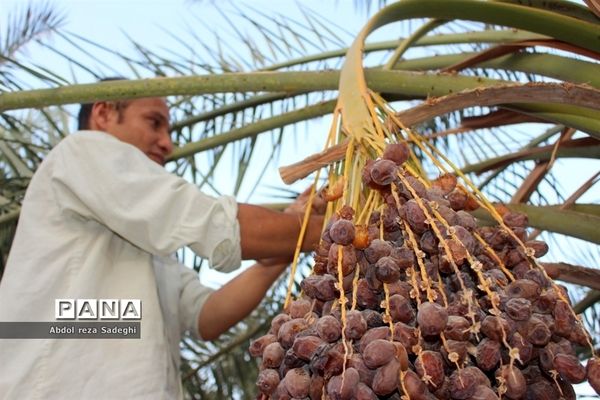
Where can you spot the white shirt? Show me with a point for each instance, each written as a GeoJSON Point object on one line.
{"type": "Point", "coordinates": [100, 221]}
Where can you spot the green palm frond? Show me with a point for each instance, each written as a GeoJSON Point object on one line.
{"type": "Point", "coordinates": [29, 23]}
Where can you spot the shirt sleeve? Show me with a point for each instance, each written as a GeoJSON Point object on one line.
{"type": "Point", "coordinates": [192, 297]}
{"type": "Point", "coordinates": [98, 177]}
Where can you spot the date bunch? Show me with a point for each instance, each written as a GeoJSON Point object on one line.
{"type": "Point", "coordinates": [411, 299]}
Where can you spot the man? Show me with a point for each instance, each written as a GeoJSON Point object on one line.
{"type": "Point", "coordinates": [100, 220]}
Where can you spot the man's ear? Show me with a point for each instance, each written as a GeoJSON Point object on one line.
{"type": "Point", "coordinates": [101, 115]}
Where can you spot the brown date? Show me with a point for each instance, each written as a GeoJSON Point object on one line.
{"type": "Point", "coordinates": [297, 382]}
{"type": "Point", "coordinates": [273, 355]}
{"type": "Point", "coordinates": [396, 152]}
{"type": "Point", "coordinates": [267, 381]}
{"type": "Point", "coordinates": [258, 346]}
{"type": "Point", "coordinates": [569, 368]}
{"type": "Point", "coordinates": [385, 380]}
{"type": "Point", "coordinates": [514, 381]}
{"type": "Point", "coordinates": [377, 353]}
{"type": "Point", "coordinates": [430, 367]}
{"type": "Point", "coordinates": [593, 373]}
{"type": "Point", "coordinates": [343, 387]}
{"type": "Point", "coordinates": [432, 318]}
{"type": "Point", "coordinates": [329, 328]}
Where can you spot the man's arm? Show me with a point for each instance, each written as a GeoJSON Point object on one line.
{"type": "Point", "coordinates": [100, 178]}
{"type": "Point", "coordinates": [236, 299]}
{"type": "Point", "coordinates": [268, 234]}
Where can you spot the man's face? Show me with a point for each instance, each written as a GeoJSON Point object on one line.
{"type": "Point", "coordinates": [143, 123]}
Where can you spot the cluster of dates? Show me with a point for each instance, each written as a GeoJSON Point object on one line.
{"type": "Point", "coordinates": [420, 303]}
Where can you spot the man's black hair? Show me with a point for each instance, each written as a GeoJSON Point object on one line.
{"type": "Point", "coordinates": [85, 111]}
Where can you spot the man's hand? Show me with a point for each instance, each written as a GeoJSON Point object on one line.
{"type": "Point", "coordinates": [298, 206]}
{"type": "Point", "coordinates": [273, 234]}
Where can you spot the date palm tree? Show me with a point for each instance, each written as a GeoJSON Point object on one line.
{"type": "Point", "coordinates": [510, 93]}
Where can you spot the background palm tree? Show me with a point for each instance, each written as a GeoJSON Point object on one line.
{"type": "Point", "coordinates": [516, 143]}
